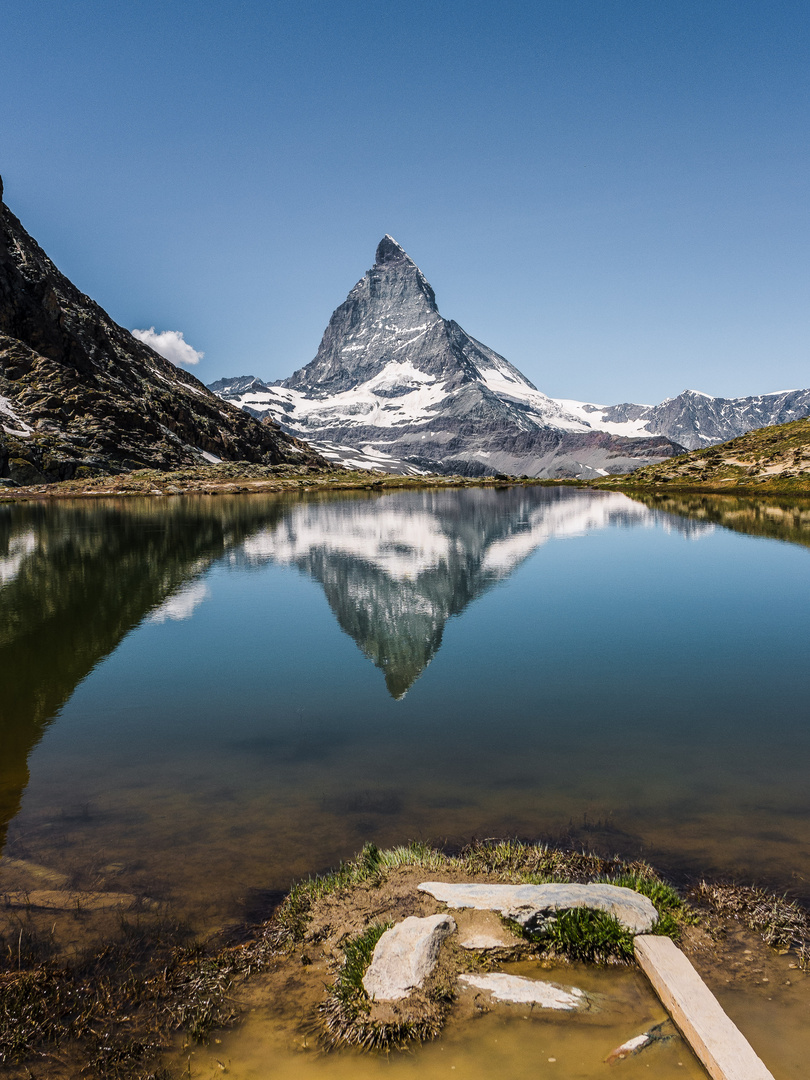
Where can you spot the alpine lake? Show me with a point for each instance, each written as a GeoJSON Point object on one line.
{"type": "Point", "coordinates": [204, 699]}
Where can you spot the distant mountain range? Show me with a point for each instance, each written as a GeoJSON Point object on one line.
{"type": "Point", "coordinates": [79, 395]}
{"type": "Point", "coordinates": [696, 420]}
{"type": "Point", "coordinates": [395, 386]}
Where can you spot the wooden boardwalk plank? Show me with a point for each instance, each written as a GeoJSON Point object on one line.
{"type": "Point", "coordinates": [718, 1043]}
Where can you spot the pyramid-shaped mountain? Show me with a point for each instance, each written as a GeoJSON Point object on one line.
{"type": "Point", "coordinates": [79, 395]}
{"type": "Point", "coordinates": [394, 381]}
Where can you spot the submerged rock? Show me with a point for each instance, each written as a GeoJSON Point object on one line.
{"type": "Point", "coordinates": [662, 1032]}
{"type": "Point", "coordinates": [519, 990]}
{"type": "Point", "coordinates": [405, 955]}
{"type": "Point", "coordinates": [530, 905]}
{"type": "Point", "coordinates": [68, 900]}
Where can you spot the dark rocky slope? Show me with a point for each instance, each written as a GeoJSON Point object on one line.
{"type": "Point", "coordinates": [79, 395]}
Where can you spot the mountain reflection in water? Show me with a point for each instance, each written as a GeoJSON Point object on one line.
{"type": "Point", "coordinates": [394, 569]}
{"type": "Point", "coordinates": [774, 518]}
{"type": "Point", "coordinates": [77, 578]}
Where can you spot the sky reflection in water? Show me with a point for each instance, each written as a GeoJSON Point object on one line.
{"type": "Point", "coordinates": [173, 676]}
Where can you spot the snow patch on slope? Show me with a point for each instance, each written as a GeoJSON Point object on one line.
{"type": "Point", "coordinates": [368, 405]}
{"type": "Point", "coordinates": [593, 416]}
{"type": "Point", "coordinates": [15, 426]}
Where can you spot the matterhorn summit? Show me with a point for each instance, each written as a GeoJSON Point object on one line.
{"type": "Point", "coordinates": [396, 386]}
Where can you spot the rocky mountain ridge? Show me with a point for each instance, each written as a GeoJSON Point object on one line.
{"type": "Point", "coordinates": [80, 396]}
{"type": "Point", "coordinates": [394, 385]}
{"type": "Point", "coordinates": [694, 419]}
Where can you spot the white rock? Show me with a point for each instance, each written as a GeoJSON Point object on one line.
{"type": "Point", "coordinates": [405, 955]}
{"type": "Point", "coordinates": [528, 904]}
{"type": "Point", "coordinates": [515, 988]}
{"type": "Point", "coordinates": [632, 1046]}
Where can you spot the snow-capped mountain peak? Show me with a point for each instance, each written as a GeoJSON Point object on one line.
{"type": "Point", "coordinates": [394, 380]}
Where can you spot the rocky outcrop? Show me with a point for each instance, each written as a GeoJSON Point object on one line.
{"type": "Point", "coordinates": [405, 955]}
{"type": "Point", "coordinates": [392, 377]}
{"type": "Point", "coordinates": [532, 905]}
{"type": "Point", "coordinates": [79, 395]}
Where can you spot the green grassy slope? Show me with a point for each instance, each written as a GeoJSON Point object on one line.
{"type": "Point", "coordinates": [769, 459]}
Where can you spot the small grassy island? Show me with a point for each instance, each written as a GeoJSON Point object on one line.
{"type": "Point", "coordinates": [141, 982]}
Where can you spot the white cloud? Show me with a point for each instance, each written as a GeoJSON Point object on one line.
{"type": "Point", "coordinates": [171, 344]}
{"type": "Point", "coordinates": [182, 604]}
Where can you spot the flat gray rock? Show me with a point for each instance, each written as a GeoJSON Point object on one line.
{"type": "Point", "coordinates": [517, 989]}
{"type": "Point", "coordinates": [405, 955]}
{"type": "Point", "coordinates": [528, 905]}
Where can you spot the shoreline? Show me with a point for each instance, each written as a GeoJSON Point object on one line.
{"type": "Point", "coordinates": [153, 987]}
{"type": "Point", "coordinates": [240, 478]}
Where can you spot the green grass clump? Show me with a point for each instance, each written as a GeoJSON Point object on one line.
{"type": "Point", "coordinates": [357, 953]}
{"type": "Point", "coordinates": [345, 1013]}
{"type": "Point", "coordinates": [673, 914]}
{"type": "Point", "coordinates": [413, 854]}
{"type": "Point", "coordinates": [591, 936]}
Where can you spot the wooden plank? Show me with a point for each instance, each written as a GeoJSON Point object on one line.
{"type": "Point", "coordinates": [718, 1043]}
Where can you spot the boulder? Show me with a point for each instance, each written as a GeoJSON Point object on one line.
{"type": "Point", "coordinates": [405, 955]}
{"type": "Point", "coordinates": [532, 905]}
{"type": "Point", "coordinates": [517, 989]}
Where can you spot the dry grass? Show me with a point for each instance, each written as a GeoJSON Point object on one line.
{"type": "Point", "coordinates": [781, 923]}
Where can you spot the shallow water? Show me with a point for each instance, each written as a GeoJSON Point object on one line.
{"type": "Point", "coordinates": [205, 698]}
{"type": "Point", "coordinates": [514, 1042]}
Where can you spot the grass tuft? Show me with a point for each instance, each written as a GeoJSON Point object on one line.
{"type": "Point", "coordinates": [345, 1013]}
{"type": "Point", "coordinates": [586, 935]}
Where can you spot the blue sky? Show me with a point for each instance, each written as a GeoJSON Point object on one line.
{"type": "Point", "coordinates": [614, 195]}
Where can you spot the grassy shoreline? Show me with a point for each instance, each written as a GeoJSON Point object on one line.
{"type": "Point", "coordinates": [239, 478]}
{"type": "Point", "coordinates": [132, 1005]}
{"type": "Point", "coordinates": [244, 478]}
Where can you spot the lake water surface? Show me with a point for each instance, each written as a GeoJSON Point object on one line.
{"type": "Point", "coordinates": [205, 698]}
